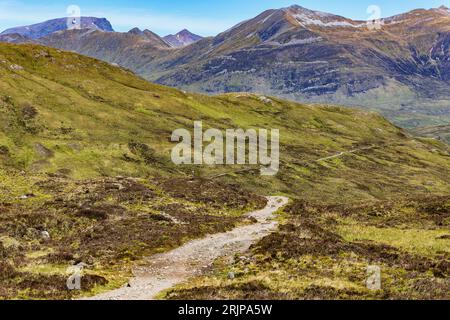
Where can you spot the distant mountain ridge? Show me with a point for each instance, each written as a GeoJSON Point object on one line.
{"type": "Point", "coordinates": [14, 38]}
{"type": "Point", "coordinates": [46, 28]}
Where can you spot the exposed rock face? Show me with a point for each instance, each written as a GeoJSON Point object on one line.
{"type": "Point", "coordinates": [46, 28]}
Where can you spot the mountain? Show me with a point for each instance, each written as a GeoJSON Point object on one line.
{"type": "Point", "coordinates": [400, 70]}
{"type": "Point", "coordinates": [85, 159]}
{"type": "Point", "coordinates": [46, 28]}
{"type": "Point", "coordinates": [182, 39]}
{"type": "Point", "coordinates": [123, 48]}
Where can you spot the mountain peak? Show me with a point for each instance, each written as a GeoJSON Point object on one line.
{"type": "Point", "coordinates": [182, 38]}
{"type": "Point", "coordinates": [306, 17]}
{"type": "Point", "coordinates": [136, 31]}
{"type": "Point", "coordinates": [444, 9]}
{"type": "Point", "coordinates": [299, 9]}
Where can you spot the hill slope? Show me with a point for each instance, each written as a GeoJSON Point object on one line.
{"type": "Point", "coordinates": [87, 113]}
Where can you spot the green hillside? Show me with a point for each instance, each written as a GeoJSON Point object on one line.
{"type": "Point", "coordinates": [85, 154]}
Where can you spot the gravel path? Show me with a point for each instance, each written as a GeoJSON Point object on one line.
{"type": "Point", "coordinates": [340, 154]}
{"type": "Point", "coordinates": [163, 271]}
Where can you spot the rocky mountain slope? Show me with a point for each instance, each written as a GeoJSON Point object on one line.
{"type": "Point", "coordinates": [440, 132]}
{"type": "Point", "coordinates": [46, 28]}
{"type": "Point", "coordinates": [182, 39]}
{"type": "Point", "coordinates": [86, 173]}
{"type": "Point", "coordinates": [401, 69]}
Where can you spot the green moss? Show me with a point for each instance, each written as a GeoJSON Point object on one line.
{"type": "Point", "coordinates": [416, 241]}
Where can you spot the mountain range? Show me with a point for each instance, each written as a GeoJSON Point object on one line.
{"type": "Point", "coordinates": [400, 69]}
{"type": "Point", "coordinates": [51, 27]}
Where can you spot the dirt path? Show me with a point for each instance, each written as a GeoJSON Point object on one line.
{"type": "Point", "coordinates": [166, 270]}
{"type": "Point", "coordinates": [340, 154]}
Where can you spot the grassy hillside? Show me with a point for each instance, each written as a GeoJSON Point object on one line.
{"type": "Point", "coordinates": [62, 111]}
{"type": "Point", "coordinates": [85, 156]}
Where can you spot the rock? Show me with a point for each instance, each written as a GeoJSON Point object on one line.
{"type": "Point", "coordinates": [253, 219]}
{"type": "Point", "coordinates": [45, 235]}
{"type": "Point", "coordinates": [265, 100]}
{"type": "Point", "coordinates": [43, 151]}
{"type": "Point", "coordinates": [15, 67]}
{"type": "Point", "coordinates": [4, 150]}
{"type": "Point", "coordinates": [28, 111]}
{"type": "Point", "coordinates": [231, 275]}
{"type": "Point", "coordinates": [27, 196]}
{"type": "Point", "coordinates": [42, 54]}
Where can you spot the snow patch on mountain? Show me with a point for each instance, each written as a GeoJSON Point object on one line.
{"type": "Point", "coordinates": [306, 20]}
{"type": "Point", "coordinates": [266, 18]}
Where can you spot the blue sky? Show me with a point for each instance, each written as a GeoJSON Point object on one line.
{"type": "Point", "coordinates": [205, 17]}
